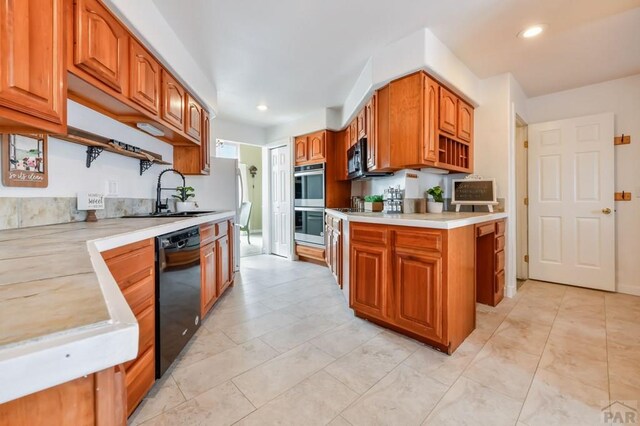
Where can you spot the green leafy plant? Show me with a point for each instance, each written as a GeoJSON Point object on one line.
{"type": "Point", "coordinates": [437, 193]}
{"type": "Point", "coordinates": [373, 198]}
{"type": "Point", "coordinates": [184, 193]}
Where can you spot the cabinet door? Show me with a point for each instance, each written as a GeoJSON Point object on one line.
{"type": "Point", "coordinates": [32, 71]}
{"type": "Point", "coordinates": [173, 101]}
{"type": "Point", "coordinates": [145, 78]}
{"type": "Point", "coordinates": [341, 144]}
{"type": "Point", "coordinates": [301, 150]}
{"type": "Point", "coordinates": [465, 121]}
{"type": "Point", "coordinates": [353, 132]}
{"type": "Point", "coordinates": [417, 291]}
{"type": "Point", "coordinates": [406, 118]}
{"type": "Point", "coordinates": [205, 144]}
{"type": "Point", "coordinates": [208, 276]}
{"type": "Point", "coordinates": [372, 141]}
{"type": "Point", "coordinates": [336, 256]}
{"type": "Point", "coordinates": [430, 138]}
{"type": "Point", "coordinates": [448, 111]}
{"type": "Point", "coordinates": [316, 146]}
{"type": "Point", "coordinates": [362, 123]}
{"type": "Point", "coordinates": [100, 44]}
{"type": "Point", "coordinates": [194, 118]}
{"type": "Point", "coordinates": [224, 263]}
{"type": "Point", "coordinates": [368, 273]}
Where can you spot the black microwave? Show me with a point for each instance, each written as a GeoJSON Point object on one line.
{"type": "Point", "coordinates": [357, 162]}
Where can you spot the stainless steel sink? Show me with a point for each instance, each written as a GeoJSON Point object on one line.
{"type": "Point", "coordinates": [195, 213]}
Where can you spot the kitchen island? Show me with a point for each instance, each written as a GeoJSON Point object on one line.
{"type": "Point", "coordinates": [417, 273]}
{"type": "Point", "coordinates": [62, 314]}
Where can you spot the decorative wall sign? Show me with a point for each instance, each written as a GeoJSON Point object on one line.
{"type": "Point", "coordinates": [90, 201]}
{"type": "Point", "coordinates": [24, 160]}
{"type": "Point", "coordinates": [474, 190]}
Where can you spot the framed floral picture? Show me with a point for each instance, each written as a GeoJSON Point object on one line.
{"type": "Point", "coordinates": [24, 160]}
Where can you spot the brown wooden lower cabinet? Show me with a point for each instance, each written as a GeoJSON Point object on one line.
{"type": "Point", "coordinates": [133, 268]}
{"type": "Point", "coordinates": [333, 246]}
{"type": "Point", "coordinates": [417, 281]}
{"type": "Point", "coordinates": [95, 399]}
{"type": "Point", "coordinates": [311, 254]}
{"type": "Point", "coordinates": [490, 261]}
{"type": "Point", "coordinates": [217, 263]}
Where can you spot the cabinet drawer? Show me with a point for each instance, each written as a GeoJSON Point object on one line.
{"type": "Point", "coordinates": [500, 227]}
{"type": "Point", "coordinates": [131, 263]}
{"type": "Point", "coordinates": [500, 243]}
{"type": "Point", "coordinates": [146, 333]}
{"type": "Point", "coordinates": [310, 252]}
{"type": "Point", "coordinates": [207, 233]}
{"type": "Point", "coordinates": [139, 379]}
{"type": "Point", "coordinates": [423, 241]}
{"type": "Point", "coordinates": [140, 295]}
{"type": "Point", "coordinates": [222, 229]}
{"type": "Point", "coordinates": [499, 282]}
{"type": "Point", "coordinates": [500, 261]}
{"type": "Point", "coordinates": [369, 233]}
{"type": "Point", "coordinates": [485, 229]}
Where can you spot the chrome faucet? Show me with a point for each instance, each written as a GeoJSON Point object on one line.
{"type": "Point", "coordinates": [159, 205]}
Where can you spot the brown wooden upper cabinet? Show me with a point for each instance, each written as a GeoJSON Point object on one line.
{"type": "Point", "coordinates": [412, 115]}
{"type": "Point", "coordinates": [310, 148]}
{"type": "Point", "coordinates": [100, 44]}
{"type": "Point", "coordinates": [194, 118]}
{"type": "Point", "coordinates": [353, 132]}
{"type": "Point", "coordinates": [145, 79]}
{"type": "Point", "coordinates": [361, 120]}
{"type": "Point", "coordinates": [317, 146]}
{"type": "Point", "coordinates": [32, 70]}
{"type": "Point", "coordinates": [300, 150]}
{"type": "Point", "coordinates": [465, 121]}
{"type": "Point", "coordinates": [370, 132]}
{"type": "Point", "coordinates": [173, 101]}
{"type": "Point", "coordinates": [205, 144]}
{"type": "Point", "coordinates": [448, 112]}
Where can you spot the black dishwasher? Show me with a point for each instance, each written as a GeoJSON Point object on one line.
{"type": "Point", "coordinates": [177, 293]}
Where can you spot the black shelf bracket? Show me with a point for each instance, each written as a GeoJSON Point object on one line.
{"type": "Point", "coordinates": [92, 153]}
{"type": "Point", "coordinates": [145, 165]}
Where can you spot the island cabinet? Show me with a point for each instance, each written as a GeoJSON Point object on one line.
{"type": "Point", "coordinates": [96, 399]}
{"type": "Point", "coordinates": [33, 75]}
{"type": "Point", "coordinates": [416, 281]}
{"type": "Point", "coordinates": [490, 261]}
{"type": "Point", "coordinates": [333, 246]}
{"type": "Point", "coordinates": [133, 268]}
{"type": "Point", "coordinates": [216, 260]}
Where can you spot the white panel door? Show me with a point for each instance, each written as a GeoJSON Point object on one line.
{"type": "Point", "coordinates": [280, 201]}
{"type": "Point", "coordinates": [571, 216]}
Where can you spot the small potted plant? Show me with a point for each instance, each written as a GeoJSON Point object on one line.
{"type": "Point", "coordinates": [182, 199]}
{"type": "Point", "coordinates": [435, 204]}
{"type": "Point", "coordinates": [373, 203]}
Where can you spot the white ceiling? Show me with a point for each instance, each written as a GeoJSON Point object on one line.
{"type": "Point", "coordinates": [300, 56]}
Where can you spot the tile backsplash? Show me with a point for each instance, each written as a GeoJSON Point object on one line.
{"type": "Point", "coordinates": [18, 212]}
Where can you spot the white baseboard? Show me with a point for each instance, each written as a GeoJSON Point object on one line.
{"type": "Point", "coordinates": [628, 289]}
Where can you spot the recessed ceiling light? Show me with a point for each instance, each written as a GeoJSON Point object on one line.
{"type": "Point", "coordinates": [532, 31]}
{"type": "Point", "coordinates": [262, 107]}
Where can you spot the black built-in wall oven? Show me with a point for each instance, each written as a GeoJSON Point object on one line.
{"type": "Point", "coordinates": [309, 204]}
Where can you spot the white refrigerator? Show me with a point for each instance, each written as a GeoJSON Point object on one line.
{"type": "Point", "coordinates": [222, 190]}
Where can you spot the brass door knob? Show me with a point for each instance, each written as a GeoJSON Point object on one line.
{"type": "Point", "coordinates": [606, 210]}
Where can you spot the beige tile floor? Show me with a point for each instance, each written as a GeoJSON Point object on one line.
{"type": "Point", "coordinates": [282, 347]}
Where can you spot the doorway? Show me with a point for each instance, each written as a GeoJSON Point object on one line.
{"type": "Point", "coordinates": [280, 200]}
{"type": "Point", "coordinates": [571, 220]}
{"type": "Point", "coordinates": [522, 190]}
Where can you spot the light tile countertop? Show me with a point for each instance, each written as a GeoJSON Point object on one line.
{"type": "Point", "coordinates": [445, 220]}
{"type": "Point", "coordinates": [62, 314]}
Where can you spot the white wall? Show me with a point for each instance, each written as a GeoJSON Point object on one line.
{"type": "Point", "coordinates": [309, 123]}
{"type": "Point", "coordinates": [233, 131]}
{"type": "Point", "coordinates": [68, 173]}
{"type": "Point", "coordinates": [622, 97]}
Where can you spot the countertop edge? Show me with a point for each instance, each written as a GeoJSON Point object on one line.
{"type": "Point", "coordinates": [60, 357]}
{"type": "Point", "coordinates": [419, 223]}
